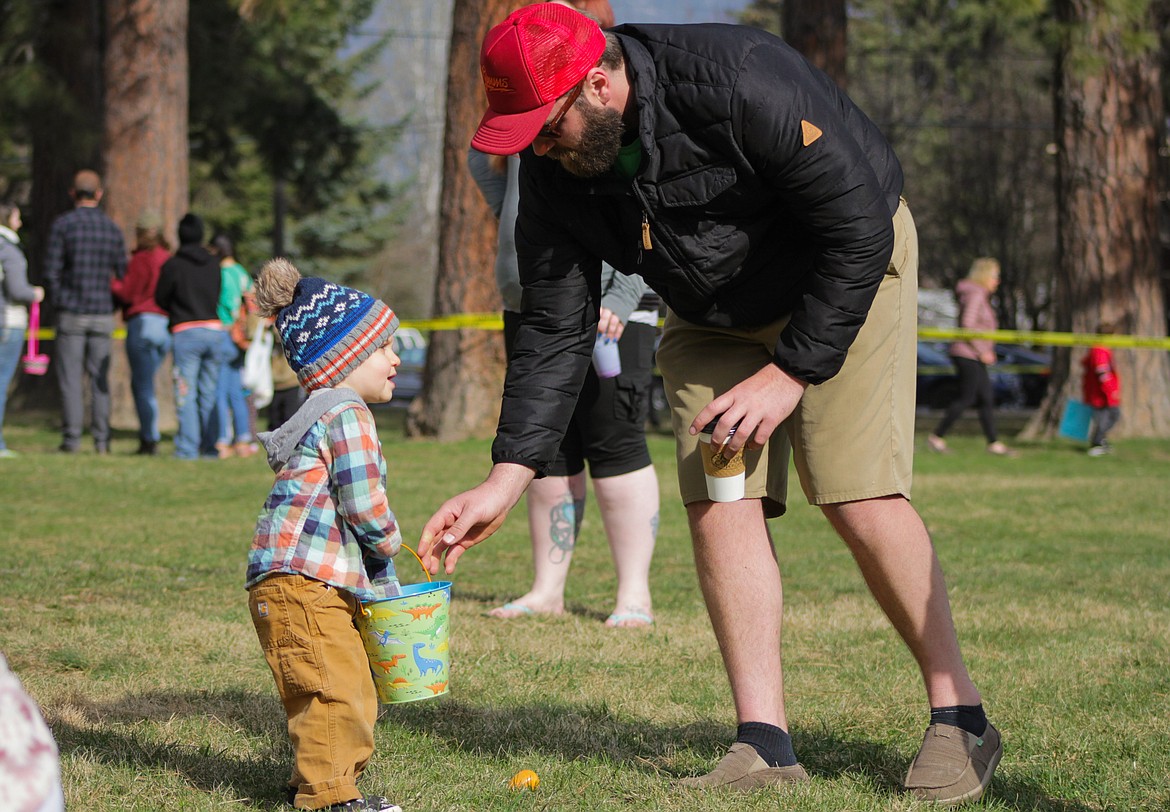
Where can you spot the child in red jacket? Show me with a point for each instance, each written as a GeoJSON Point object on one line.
{"type": "Point", "coordinates": [1102, 391]}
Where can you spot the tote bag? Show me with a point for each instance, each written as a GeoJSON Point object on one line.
{"type": "Point", "coordinates": [1074, 423]}
{"type": "Point", "coordinates": [256, 373]}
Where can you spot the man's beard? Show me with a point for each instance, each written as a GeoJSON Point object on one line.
{"type": "Point", "coordinates": [601, 140]}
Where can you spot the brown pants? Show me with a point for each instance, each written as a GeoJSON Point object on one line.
{"type": "Point", "coordinates": [307, 631]}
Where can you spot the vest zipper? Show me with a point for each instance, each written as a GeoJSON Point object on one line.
{"type": "Point", "coordinates": [646, 244]}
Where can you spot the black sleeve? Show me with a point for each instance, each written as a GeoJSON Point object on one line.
{"type": "Point", "coordinates": [558, 321]}
{"type": "Point", "coordinates": [795, 130]}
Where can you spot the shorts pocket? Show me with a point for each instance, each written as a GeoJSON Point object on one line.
{"type": "Point", "coordinates": [631, 401]}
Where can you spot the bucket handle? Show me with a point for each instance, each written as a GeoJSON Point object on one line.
{"type": "Point", "coordinates": [406, 547]}
{"type": "Point", "coordinates": [419, 560]}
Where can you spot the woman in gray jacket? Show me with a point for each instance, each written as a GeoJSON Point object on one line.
{"type": "Point", "coordinates": [15, 293]}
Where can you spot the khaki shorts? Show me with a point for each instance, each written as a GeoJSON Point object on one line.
{"type": "Point", "coordinates": [852, 437]}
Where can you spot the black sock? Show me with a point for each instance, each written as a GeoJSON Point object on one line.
{"type": "Point", "coordinates": [970, 718]}
{"type": "Point", "coordinates": [772, 743]}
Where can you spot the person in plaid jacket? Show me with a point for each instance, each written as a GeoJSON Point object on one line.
{"type": "Point", "coordinates": [326, 536]}
{"type": "Point", "coordinates": [86, 252]}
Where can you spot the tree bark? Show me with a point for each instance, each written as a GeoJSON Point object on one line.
{"type": "Point", "coordinates": [1109, 108]}
{"type": "Point", "coordinates": [465, 368]}
{"type": "Point", "coordinates": [145, 146]}
{"type": "Point", "coordinates": [816, 28]}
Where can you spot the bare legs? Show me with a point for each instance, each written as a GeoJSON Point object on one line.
{"type": "Point", "coordinates": [555, 507]}
{"type": "Point", "coordinates": [891, 546]}
{"type": "Point", "coordinates": [629, 510]}
{"type": "Point", "coordinates": [741, 585]}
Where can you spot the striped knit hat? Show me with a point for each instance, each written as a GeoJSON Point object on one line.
{"type": "Point", "coordinates": [327, 329]}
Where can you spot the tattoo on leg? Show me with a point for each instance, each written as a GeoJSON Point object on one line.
{"type": "Point", "coordinates": [654, 526]}
{"type": "Point", "coordinates": [578, 516]}
{"type": "Point", "coordinates": [563, 525]}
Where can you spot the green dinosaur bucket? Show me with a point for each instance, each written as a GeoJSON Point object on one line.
{"type": "Point", "coordinates": [406, 641]}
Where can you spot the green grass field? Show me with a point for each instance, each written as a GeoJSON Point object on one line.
{"type": "Point", "coordinates": [122, 610]}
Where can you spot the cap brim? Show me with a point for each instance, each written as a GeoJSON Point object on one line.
{"type": "Point", "coordinates": [505, 134]}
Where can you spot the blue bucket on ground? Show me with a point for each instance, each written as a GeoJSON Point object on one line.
{"type": "Point", "coordinates": [406, 640]}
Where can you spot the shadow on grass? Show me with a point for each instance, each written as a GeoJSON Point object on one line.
{"type": "Point", "coordinates": [566, 732]}
{"type": "Point", "coordinates": [584, 732]}
{"type": "Point", "coordinates": [109, 734]}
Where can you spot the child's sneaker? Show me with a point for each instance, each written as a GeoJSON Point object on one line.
{"type": "Point", "coordinates": [1098, 451]}
{"type": "Point", "coordinates": [373, 803]}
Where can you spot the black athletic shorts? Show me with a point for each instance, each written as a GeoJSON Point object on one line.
{"type": "Point", "coordinates": [608, 427]}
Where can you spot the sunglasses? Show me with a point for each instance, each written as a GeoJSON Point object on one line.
{"type": "Point", "coordinates": [552, 130]}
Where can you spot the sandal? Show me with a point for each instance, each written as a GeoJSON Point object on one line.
{"type": "Point", "coordinates": [937, 444]}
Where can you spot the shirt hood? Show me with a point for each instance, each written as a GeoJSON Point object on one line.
{"type": "Point", "coordinates": [282, 444]}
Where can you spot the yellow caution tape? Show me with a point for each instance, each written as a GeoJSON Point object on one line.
{"type": "Point", "coordinates": [1048, 338]}
{"type": "Point", "coordinates": [495, 321]}
{"type": "Point", "coordinates": [459, 321]}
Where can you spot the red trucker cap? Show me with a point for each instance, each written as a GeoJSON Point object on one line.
{"type": "Point", "coordinates": [528, 61]}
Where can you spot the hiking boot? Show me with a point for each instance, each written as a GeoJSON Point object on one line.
{"type": "Point", "coordinates": [954, 766]}
{"type": "Point", "coordinates": [374, 803]}
{"type": "Point", "coordinates": [742, 768]}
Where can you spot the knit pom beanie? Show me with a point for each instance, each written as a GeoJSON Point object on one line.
{"type": "Point", "coordinates": [327, 329]}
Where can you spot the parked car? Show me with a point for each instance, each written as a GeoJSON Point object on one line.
{"type": "Point", "coordinates": [411, 346]}
{"type": "Point", "coordinates": [1019, 377]}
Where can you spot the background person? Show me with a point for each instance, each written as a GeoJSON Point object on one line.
{"type": "Point", "coordinates": [231, 400]}
{"type": "Point", "coordinates": [326, 536]}
{"type": "Point", "coordinates": [147, 339]}
{"type": "Point", "coordinates": [188, 289]}
{"type": "Point", "coordinates": [607, 429]}
{"type": "Point", "coordinates": [765, 209]}
{"type": "Point", "coordinates": [287, 394]}
{"type": "Point", "coordinates": [1101, 389]}
{"type": "Point", "coordinates": [973, 356]}
{"type": "Point", "coordinates": [85, 252]}
{"type": "Point", "coordinates": [15, 293]}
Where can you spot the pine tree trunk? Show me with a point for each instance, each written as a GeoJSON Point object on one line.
{"type": "Point", "coordinates": [465, 368]}
{"type": "Point", "coordinates": [1109, 107]}
{"type": "Point", "coordinates": [816, 28]}
{"type": "Point", "coordinates": [145, 146]}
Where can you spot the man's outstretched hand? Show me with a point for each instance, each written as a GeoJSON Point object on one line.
{"type": "Point", "coordinates": [757, 406]}
{"type": "Point", "coordinates": [467, 519]}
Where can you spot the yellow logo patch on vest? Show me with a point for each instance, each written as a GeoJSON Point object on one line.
{"type": "Point", "coordinates": [811, 132]}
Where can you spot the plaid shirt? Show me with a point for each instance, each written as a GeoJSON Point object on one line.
{"type": "Point", "coordinates": [86, 251]}
{"type": "Point", "coordinates": [327, 517]}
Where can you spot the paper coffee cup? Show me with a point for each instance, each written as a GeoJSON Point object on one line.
{"type": "Point", "coordinates": [725, 473]}
{"type": "Point", "coordinates": [606, 360]}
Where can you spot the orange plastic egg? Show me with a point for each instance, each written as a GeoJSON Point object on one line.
{"type": "Point", "coordinates": [525, 779]}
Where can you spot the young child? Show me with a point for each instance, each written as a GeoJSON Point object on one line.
{"type": "Point", "coordinates": [1102, 390]}
{"type": "Point", "coordinates": [326, 535]}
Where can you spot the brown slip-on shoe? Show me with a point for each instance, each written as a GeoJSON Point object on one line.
{"type": "Point", "coordinates": [742, 768]}
{"type": "Point", "coordinates": [954, 766]}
